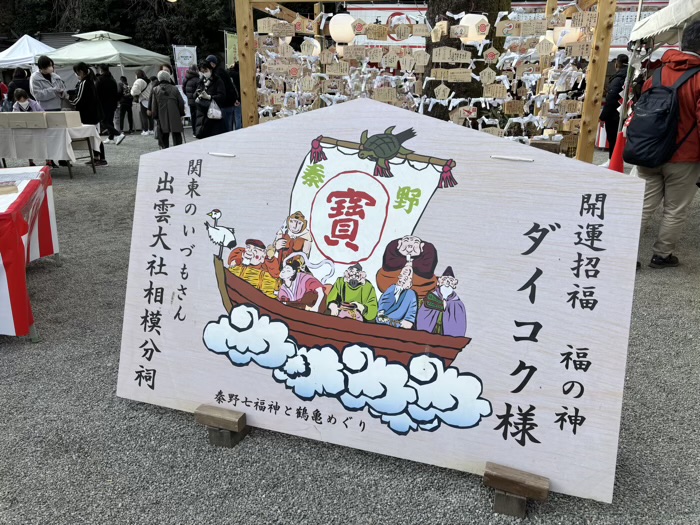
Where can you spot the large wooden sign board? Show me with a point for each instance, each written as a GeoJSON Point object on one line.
{"type": "Point", "coordinates": [370, 277]}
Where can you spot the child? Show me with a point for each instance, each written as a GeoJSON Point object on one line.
{"type": "Point", "coordinates": [24, 103]}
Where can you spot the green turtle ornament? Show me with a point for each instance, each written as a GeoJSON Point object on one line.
{"type": "Point", "coordinates": [383, 147]}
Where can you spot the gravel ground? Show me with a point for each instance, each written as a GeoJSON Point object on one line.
{"type": "Point", "coordinates": [72, 452]}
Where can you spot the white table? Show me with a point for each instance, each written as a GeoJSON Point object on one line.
{"type": "Point", "coordinates": [49, 143]}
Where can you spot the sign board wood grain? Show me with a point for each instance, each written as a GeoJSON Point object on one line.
{"type": "Point", "coordinates": [394, 218]}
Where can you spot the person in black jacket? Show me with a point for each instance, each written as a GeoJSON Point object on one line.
{"type": "Point", "coordinates": [610, 114]}
{"type": "Point", "coordinates": [210, 89]}
{"type": "Point", "coordinates": [108, 95]}
{"type": "Point", "coordinates": [235, 75]}
{"type": "Point", "coordinates": [230, 94]}
{"type": "Point", "coordinates": [189, 86]}
{"type": "Point", "coordinates": [20, 80]}
{"type": "Point", "coordinates": [126, 104]}
{"type": "Point", "coordinates": [87, 103]}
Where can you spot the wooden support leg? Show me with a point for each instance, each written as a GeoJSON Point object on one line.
{"type": "Point", "coordinates": [70, 169]}
{"type": "Point", "coordinates": [219, 437]}
{"type": "Point", "coordinates": [226, 428]}
{"type": "Point", "coordinates": [92, 156]}
{"type": "Point", "coordinates": [509, 504]}
{"type": "Point", "coordinates": [34, 334]}
{"type": "Point", "coordinates": [513, 488]}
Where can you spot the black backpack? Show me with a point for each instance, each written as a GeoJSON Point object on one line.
{"type": "Point", "coordinates": [653, 131]}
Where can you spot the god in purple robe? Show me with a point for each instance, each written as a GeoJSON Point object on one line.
{"type": "Point", "coordinates": [438, 315]}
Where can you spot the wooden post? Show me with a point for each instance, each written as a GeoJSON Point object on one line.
{"type": "Point", "coordinates": [513, 488]}
{"type": "Point", "coordinates": [595, 80]}
{"type": "Point", "coordinates": [549, 10]}
{"type": "Point", "coordinates": [246, 55]}
{"type": "Point", "coordinates": [318, 9]}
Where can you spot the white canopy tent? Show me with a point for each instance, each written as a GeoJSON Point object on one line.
{"type": "Point", "coordinates": [664, 28]}
{"type": "Point", "coordinates": [102, 49]}
{"type": "Point", "coordinates": [666, 24]}
{"type": "Point", "coordinates": [22, 53]}
{"type": "Point", "coordinates": [112, 52]}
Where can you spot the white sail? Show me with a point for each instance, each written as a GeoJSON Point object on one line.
{"type": "Point", "coordinates": [353, 214]}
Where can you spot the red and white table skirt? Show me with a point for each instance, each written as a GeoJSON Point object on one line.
{"type": "Point", "coordinates": [27, 232]}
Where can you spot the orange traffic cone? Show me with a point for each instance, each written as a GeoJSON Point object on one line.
{"type": "Point", "coordinates": [616, 162]}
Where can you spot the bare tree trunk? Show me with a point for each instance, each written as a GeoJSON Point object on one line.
{"type": "Point", "coordinates": [68, 14]}
{"type": "Point", "coordinates": [436, 11]}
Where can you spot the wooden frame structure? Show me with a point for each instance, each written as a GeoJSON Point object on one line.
{"type": "Point", "coordinates": [595, 79]}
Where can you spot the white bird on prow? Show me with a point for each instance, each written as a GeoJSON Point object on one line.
{"type": "Point", "coordinates": [220, 235]}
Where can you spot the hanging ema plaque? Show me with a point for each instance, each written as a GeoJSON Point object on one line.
{"type": "Point", "coordinates": [372, 285]}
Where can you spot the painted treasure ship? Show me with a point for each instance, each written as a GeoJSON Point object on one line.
{"type": "Point", "coordinates": [356, 205]}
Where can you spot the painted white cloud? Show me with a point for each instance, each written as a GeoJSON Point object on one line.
{"type": "Point", "coordinates": [246, 336]}
{"type": "Point", "coordinates": [324, 376]}
{"type": "Point", "coordinates": [447, 395]}
{"type": "Point", "coordinates": [374, 383]}
{"type": "Point", "coordinates": [421, 397]}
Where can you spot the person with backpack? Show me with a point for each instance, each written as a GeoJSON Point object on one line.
{"type": "Point", "coordinates": [126, 103]}
{"type": "Point", "coordinates": [610, 113]}
{"type": "Point", "coordinates": [663, 141]}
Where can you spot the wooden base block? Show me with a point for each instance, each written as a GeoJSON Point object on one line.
{"type": "Point", "coordinates": [220, 437]}
{"type": "Point", "coordinates": [517, 482]}
{"type": "Point", "coordinates": [226, 428]}
{"type": "Point", "coordinates": [509, 504]}
{"type": "Point", "coordinates": [218, 417]}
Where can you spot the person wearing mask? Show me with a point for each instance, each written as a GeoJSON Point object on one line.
{"type": "Point", "coordinates": [673, 184]}
{"type": "Point", "coordinates": [189, 86]}
{"type": "Point", "coordinates": [168, 110]}
{"type": "Point", "coordinates": [126, 102]}
{"type": "Point", "coordinates": [22, 104]}
{"type": "Point", "coordinates": [108, 95]}
{"type": "Point", "coordinates": [142, 88]}
{"type": "Point", "coordinates": [87, 103]}
{"type": "Point", "coordinates": [230, 91]}
{"type": "Point", "coordinates": [235, 75]}
{"type": "Point", "coordinates": [210, 88]}
{"type": "Point", "coordinates": [610, 113]}
{"type": "Point", "coordinates": [20, 79]}
{"type": "Point", "coordinates": [46, 86]}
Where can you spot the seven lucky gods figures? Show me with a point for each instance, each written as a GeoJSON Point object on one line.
{"type": "Point", "coordinates": [410, 295]}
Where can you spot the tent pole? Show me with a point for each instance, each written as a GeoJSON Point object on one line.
{"type": "Point", "coordinates": [628, 78]}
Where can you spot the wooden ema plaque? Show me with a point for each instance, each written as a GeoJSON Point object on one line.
{"type": "Point", "coordinates": [375, 285]}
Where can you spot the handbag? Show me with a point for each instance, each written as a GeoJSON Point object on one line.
{"type": "Point", "coordinates": [214, 112]}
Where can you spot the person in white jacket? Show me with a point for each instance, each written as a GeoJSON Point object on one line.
{"type": "Point", "coordinates": [142, 89]}
{"type": "Point", "coordinates": [46, 86]}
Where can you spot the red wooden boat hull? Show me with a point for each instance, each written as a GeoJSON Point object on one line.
{"type": "Point", "coordinates": [311, 329]}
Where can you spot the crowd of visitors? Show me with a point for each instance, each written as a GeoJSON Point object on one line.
{"type": "Point", "coordinates": [211, 92]}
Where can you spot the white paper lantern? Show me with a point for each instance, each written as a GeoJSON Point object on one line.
{"type": "Point", "coordinates": [311, 47]}
{"type": "Point", "coordinates": [566, 35]}
{"type": "Point", "coordinates": [478, 27]}
{"type": "Point", "coordinates": [286, 39]}
{"type": "Point", "coordinates": [341, 29]}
